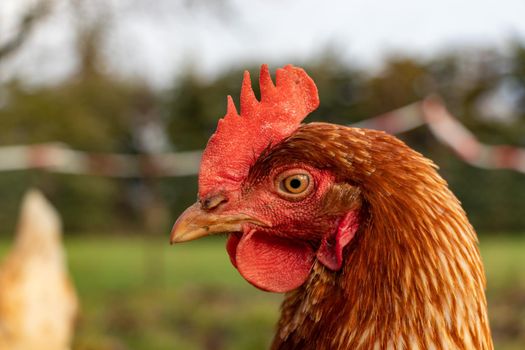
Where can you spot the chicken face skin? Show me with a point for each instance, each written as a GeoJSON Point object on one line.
{"type": "Point", "coordinates": [275, 237]}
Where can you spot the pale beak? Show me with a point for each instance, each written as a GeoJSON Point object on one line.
{"type": "Point", "coordinates": [195, 223]}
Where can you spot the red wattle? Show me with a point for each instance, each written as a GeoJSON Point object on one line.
{"type": "Point", "coordinates": [231, 247]}
{"type": "Point", "coordinates": [331, 255]}
{"type": "Point", "coordinates": [271, 263]}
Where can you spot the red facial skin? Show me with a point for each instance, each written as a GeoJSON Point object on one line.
{"type": "Point", "coordinates": [279, 257]}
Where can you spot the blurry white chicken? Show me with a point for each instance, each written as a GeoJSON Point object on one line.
{"type": "Point", "coordinates": [38, 303]}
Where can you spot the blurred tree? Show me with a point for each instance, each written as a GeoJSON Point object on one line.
{"type": "Point", "coordinates": [91, 111]}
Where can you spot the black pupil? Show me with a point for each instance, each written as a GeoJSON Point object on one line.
{"type": "Point", "coordinates": [295, 183]}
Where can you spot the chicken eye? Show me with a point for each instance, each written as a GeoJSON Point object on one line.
{"type": "Point", "coordinates": [294, 185]}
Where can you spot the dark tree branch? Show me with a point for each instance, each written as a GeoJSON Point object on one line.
{"type": "Point", "coordinates": [25, 28]}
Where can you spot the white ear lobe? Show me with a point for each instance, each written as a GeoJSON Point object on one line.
{"type": "Point", "coordinates": [330, 253]}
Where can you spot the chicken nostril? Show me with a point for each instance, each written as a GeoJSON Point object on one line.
{"type": "Point", "coordinates": [213, 202]}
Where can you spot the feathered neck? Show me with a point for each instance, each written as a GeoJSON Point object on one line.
{"type": "Point", "coordinates": [413, 277]}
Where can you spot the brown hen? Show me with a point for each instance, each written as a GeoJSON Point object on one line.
{"type": "Point", "coordinates": [372, 248]}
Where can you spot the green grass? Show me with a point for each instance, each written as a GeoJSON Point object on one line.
{"type": "Point", "coordinates": [504, 260]}
{"type": "Point", "coordinates": [145, 294]}
{"type": "Point", "coordinates": [141, 293]}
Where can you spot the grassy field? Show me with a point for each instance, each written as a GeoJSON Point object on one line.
{"type": "Point", "coordinates": [145, 295]}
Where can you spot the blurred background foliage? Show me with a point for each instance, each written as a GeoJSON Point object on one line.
{"type": "Point", "coordinates": [96, 111]}
{"type": "Point", "coordinates": [140, 296]}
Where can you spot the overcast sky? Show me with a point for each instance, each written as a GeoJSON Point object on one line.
{"type": "Point", "coordinates": [156, 39]}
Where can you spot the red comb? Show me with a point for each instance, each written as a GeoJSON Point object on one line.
{"type": "Point", "coordinates": [239, 139]}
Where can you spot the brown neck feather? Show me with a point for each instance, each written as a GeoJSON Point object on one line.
{"type": "Point", "coordinates": [413, 277]}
